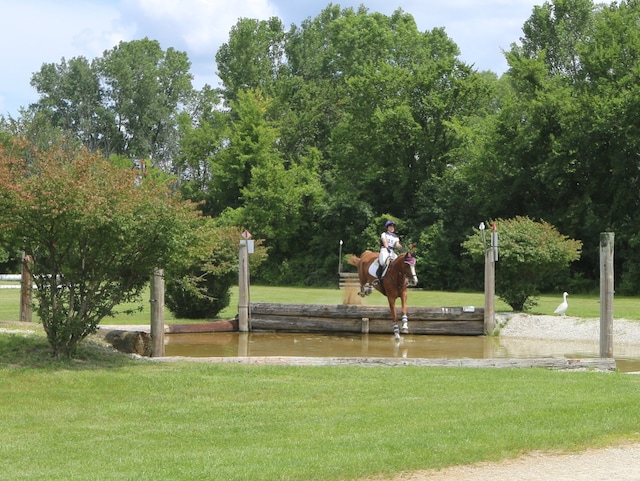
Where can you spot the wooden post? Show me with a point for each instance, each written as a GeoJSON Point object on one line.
{"type": "Point", "coordinates": [489, 291]}
{"type": "Point", "coordinates": [157, 313]}
{"type": "Point", "coordinates": [606, 294]}
{"type": "Point", "coordinates": [243, 288]}
{"type": "Point", "coordinates": [26, 290]}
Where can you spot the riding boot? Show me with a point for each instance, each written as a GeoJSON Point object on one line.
{"type": "Point", "coordinates": [378, 275]}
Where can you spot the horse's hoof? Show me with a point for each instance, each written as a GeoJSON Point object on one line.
{"type": "Point", "coordinates": [405, 329]}
{"type": "Point", "coordinates": [396, 335]}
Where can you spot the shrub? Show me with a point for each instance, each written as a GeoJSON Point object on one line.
{"type": "Point", "coordinates": [529, 252]}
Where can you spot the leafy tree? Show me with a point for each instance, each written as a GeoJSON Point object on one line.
{"type": "Point", "coordinates": [72, 99]}
{"type": "Point", "coordinates": [251, 143]}
{"type": "Point", "coordinates": [144, 89]}
{"type": "Point", "coordinates": [201, 140]}
{"type": "Point", "coordinates": [202, 289]}
{"type": "Point", "coordinates": [127, 102]}
{"type": "Point", "coordinates": [253, 56]}
{"type": "Point", "coordinates": [529, 252]}
{"type": "Point", "coordinates": [563, 146]}
{"type": "Point", "coordinates": [95, 233]}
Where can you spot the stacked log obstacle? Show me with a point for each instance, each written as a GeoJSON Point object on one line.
{"type": "Point", "coordinates": [454, 321]}
{"type": "Point", "coordinates": [349, 280]}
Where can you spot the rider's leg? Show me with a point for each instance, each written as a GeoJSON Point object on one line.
{"type": "Point", "coordinates": [382, 261]}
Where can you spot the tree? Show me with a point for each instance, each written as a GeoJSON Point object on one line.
{"type": "Point", "coordinates": [95, 233]}
{"type": "Point", "coordinates": [529, 253]}
{"type": "Point", "coordinates": [202, 289]}
{"type": "Point", "coordinates": [145, 87]}
{"type": "Point", "coordinates": [72, 100]}
{"type": "Point", "coordinates": [252, 57]}
{"type": "Point", "coordinates": [564, 145]}
{"type": "Point", "coordinates": [127, 102]}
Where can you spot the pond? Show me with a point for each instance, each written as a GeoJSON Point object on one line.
{"type": "Point", "coordinates": [242, 344]}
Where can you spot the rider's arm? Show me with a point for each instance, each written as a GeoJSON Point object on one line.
{"type": "Point", "coordinates": [383, 241]}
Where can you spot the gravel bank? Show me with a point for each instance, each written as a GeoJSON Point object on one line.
{"type": "Point", "coordinates": [565, 328]}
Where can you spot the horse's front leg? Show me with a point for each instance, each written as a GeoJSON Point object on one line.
{"type": "Point", "coordinates": [394, 316]}
{"type": "Point", "coordinates": [405, 319]}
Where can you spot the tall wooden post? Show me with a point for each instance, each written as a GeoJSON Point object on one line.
{"type": "Point", "coordinates": [606, 294]}
{"type": "Point", "coordinates": [157, 313]}
{"type": "Point", "coordinates": [489, 290]}
{"type": "Point", "coordinates": [243, 288]}
{"type": "Point", "coordinates": [26, 290]}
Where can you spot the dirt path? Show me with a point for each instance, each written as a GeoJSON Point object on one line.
{"type": "Point", "coordinates": [616, 463]}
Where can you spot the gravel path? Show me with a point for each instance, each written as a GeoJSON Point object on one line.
{"type": "Point", "coordinates": [565, 328]}
{"type": "Point", "coordinates": [615, 463]}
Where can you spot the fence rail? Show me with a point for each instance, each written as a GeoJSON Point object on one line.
{"type": "Point", "coordinates": [10, 277]}
{"type": "Point", "coordinates": [348, 279]}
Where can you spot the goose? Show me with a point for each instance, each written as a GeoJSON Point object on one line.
{"type": "Point", "coordinates": [564, 305]}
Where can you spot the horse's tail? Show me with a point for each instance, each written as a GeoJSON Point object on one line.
{"type": "Point", "coordinates": [354, 260]}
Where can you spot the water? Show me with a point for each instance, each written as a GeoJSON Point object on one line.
{"type": "Point", "coordinates": [243, 344]}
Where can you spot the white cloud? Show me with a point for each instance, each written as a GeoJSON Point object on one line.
{"type": "Point", "coordinates": [38, 32]}
{"type": "Point", "coordinates": [42, 31]}
{"type": "Point", "coordinates": [202, 25]}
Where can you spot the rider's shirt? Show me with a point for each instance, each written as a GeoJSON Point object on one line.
{"type": "Point", "coordinates": [390, 237]}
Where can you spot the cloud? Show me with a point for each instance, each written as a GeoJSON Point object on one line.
{"type": "Point", "coordinates": [38, 32]}
{"type": "Point", "coordinates": [200, 26]}
{"type": "Point", "coordinates": [41, 31]}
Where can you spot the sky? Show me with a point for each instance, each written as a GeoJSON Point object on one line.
{"type": "Point", "coordinates": [36, 32]}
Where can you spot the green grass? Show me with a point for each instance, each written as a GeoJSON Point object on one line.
{"type": "Point", "coordinates": [586, 306]}
{"type": "Point", "coordinates": [106, 417]}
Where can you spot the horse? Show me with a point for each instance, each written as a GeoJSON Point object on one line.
{"type": "Point", "coordinates": [400, 274]}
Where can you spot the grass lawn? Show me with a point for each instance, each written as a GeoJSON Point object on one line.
{"type": "Point", "coordinates": [587, 306]}
{"type": "Point", "coordinates": [106, 417]}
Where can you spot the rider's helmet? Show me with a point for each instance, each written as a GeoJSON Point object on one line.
{"type": "Point", "coordinates": [388, 223]}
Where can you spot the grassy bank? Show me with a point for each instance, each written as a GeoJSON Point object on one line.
{"type": "Point", "coordinates": [107, 417]}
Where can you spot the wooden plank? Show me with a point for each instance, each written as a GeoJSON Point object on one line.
{"type": "Point", "coordinates": [305, 324]}
{"type": "Point", "coordinates": [350, 318]}
{"type": "Point", "coordinates": [214, 326]}
{"type": "Point", "coordinates": [259, 309]}
{"type": "Point", "coordinates": [595, 364]}
{"type": "Point", "coordinates": [375, 326]}
{"type": "Point", "coordinates": [349, 279]}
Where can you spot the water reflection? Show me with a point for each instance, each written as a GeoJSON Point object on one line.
{"type": "Point", "coordinates": [237, 344]}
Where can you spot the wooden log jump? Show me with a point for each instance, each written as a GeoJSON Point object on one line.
{"type": "Point", "coordinates": [456, 321]}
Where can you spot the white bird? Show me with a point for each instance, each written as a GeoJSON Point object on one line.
{"type": "Point", "coordinates": [564, 305]}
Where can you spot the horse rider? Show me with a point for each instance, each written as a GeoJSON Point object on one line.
{"type": "Point", "coordinates": [388, 242]}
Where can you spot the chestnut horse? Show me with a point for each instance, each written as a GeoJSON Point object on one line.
{"type": "Point", "coordinates": [400, 274]}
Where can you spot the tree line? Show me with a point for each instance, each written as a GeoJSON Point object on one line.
{"type": "Point", "coordinates": [322, 131]}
